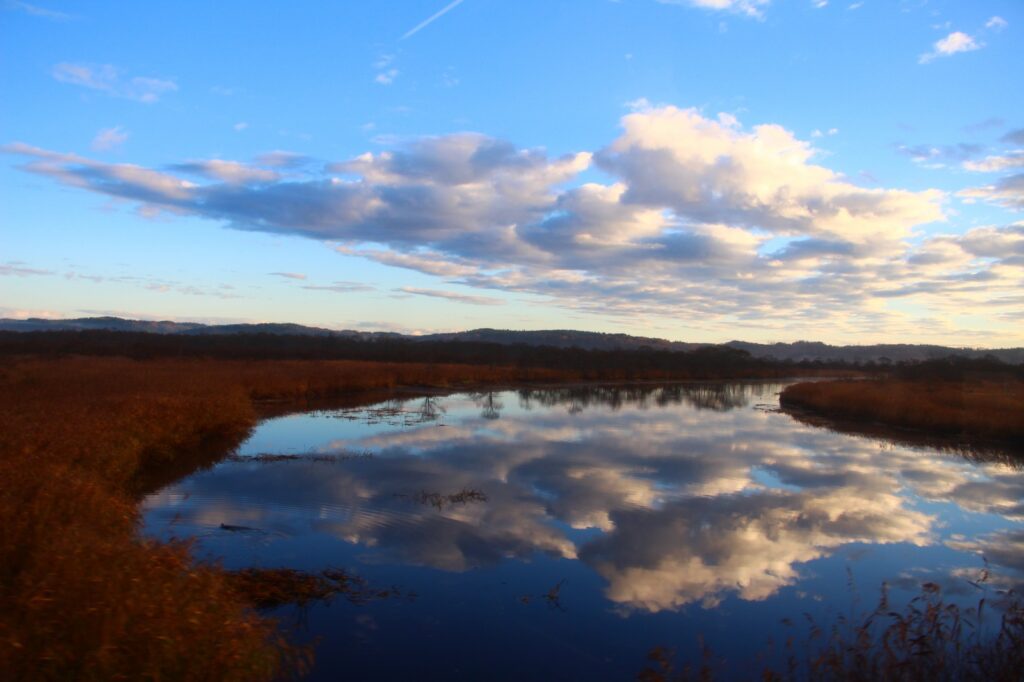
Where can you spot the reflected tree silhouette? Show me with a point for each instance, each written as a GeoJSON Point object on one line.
{"type": "Point", "coordinates": [431, 408]}
{"type": "Point", "coordinates": [490, 406]}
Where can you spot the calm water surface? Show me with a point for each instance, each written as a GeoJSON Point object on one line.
{"type": "Point", "coordinates": [561, 534]}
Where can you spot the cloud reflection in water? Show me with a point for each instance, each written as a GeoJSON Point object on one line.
{"type": "Point", "coordinates": [688, 493]}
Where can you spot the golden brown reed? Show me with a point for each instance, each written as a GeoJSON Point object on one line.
{"type": "Point", "coordinates": [985, 410]}
{"type": "Point", "coordinates": [83, 596]}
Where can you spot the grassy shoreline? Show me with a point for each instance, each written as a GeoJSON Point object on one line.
{"type": "Point", "coordinates": [982, 412]}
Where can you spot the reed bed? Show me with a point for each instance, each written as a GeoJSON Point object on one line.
{"type": "Point", "coordinates": [985, 410]}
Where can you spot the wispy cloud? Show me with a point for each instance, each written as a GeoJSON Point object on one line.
{"type": "Point", "coordinates": [750, 8]}
{"type": "Point", "coordinates": [109, 138]}
{"type": "Point", "coordinates": [997, 162]}
{"type": "Point", "coordinates": [109, 79]}
{"type": "Point", "coordinates": [13, 268]}
{"type": "Point", "coordinates": [996, 23]}
{"type": "Point", "coordinates": [36, 11]}
{"type": "Point", "coordinates": [340, 287]}
{"type": "Point", "coordinates": [452, 296]}
{"type": "Point", "coordinates": [431, 19]}
{"type": "Point", "coordinates": [288, 275]}
{"type": "Point", "coordinates": [386, 72]}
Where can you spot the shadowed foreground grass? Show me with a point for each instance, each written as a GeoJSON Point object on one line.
{"type": "Point", "coordinates": [983, 410]}
{"type": "Point", "coordinates": [83, 596]}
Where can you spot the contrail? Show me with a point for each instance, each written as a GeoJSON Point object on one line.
{"type": "Point", "coordinates": [447, 8]}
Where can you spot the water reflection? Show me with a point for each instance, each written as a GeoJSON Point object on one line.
{"type": "Point", "coordinates": [672, 495]}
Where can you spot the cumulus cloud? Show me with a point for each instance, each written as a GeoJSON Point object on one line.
{"type": "Point", "coordinates": [110, 80]}
{"type": "Point", "coordinates": [710, 171]}
{"type": "Point", "coordinates": [699, 217]}
{"type": "Point", "coordinates": [952, 44]}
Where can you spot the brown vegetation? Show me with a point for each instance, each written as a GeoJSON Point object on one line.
{"type": "Point", "coordinates": [984, 410]}
{"type": "Point", "coordinates": [83, 596]}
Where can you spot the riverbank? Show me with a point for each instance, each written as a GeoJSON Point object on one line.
{"type": "Point", "coordinates": [983, 411]}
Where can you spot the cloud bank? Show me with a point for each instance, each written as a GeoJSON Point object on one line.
{"type": "Point", "coordinates": [699, 219]}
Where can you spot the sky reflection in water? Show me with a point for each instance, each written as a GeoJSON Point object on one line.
{"type": "Point", "coordinates": [668, 512]}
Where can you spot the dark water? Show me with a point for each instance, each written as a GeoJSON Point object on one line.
{"type": "Point", "coordinates": [562, 534]}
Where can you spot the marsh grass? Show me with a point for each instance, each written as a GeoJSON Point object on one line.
{"type": "Point", "coordinates": [979, 411]}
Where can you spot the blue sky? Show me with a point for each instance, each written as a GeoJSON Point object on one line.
{"type": "Point", "coordinates": [698, 170]}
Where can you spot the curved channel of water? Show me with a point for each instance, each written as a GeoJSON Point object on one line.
{"type": "Point", "coordinates": [563, 533]}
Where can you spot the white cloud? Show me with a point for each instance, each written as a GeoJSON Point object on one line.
{"type": "Point", "coordinates": [232, 172]}
{"type": "Point", "coordinates": [289, 275]}
{"type": "Point", "coordinates": [240, 126]}
{"type": "Point", "coordinates": [452, 296]}
{"type": "Point", "coordinates": [999, 162]}
{"type": "Point", "coordinates": [386, 72]}
{"type": "Point", "coordinates": [1007, 192]}
{"type": "Point", "coordinates": [750, 8]}
{"type": "Point", "coordinates": [954, 43]}
{"type": "Point", "coordinates": [109, 138]}
{"type": "Point", "coordinates": [700, 218]}
{"type": "Point", "coordinates": [386, 77]}
{"type": "Point", "coordinates": [996, 23]}
{"type": "Point", "coordinates": [108, 79]}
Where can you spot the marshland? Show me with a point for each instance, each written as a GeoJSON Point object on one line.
{"type": "Point", "coordinates": [259, 519]}
{"type": "Point", "coordinates": [473, 340]}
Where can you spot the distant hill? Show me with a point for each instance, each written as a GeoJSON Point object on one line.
{"type": "Point", "coordinates": [36, 324]}
{"type": "Point", "coordinates": [559, 338]}
{"type": "Point", "coordinates": [563, 338]}
{"type": "Point", "coordinates": [887, 352]}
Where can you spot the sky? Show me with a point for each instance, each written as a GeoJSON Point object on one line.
{"type": "Point", "coordinates": [699, 170]}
